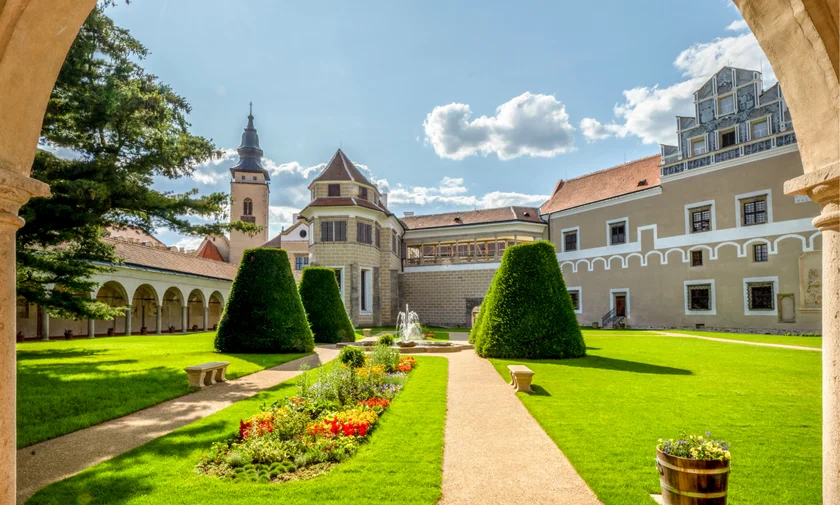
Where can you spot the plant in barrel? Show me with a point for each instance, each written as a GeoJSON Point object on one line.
{"type": "Point", "coordinates": [693, 470]}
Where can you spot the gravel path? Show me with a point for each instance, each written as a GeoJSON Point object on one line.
{"type": "Point", "coordinates": [494, 451]}
{"type": "Point", "coordinates": [731, 341]}
{"type": "Point", "coordinates": [50, 461]}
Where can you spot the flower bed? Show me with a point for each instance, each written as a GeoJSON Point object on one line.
{"type": "Point", "coordinates": [335, 410]}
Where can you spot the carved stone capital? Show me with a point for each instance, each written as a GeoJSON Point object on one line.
{"type": "Point", "coordinates": [823, 187]}
{"type": "Point", "coordinates": [15, 190]}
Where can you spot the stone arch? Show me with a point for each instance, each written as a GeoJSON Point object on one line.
{"type": "Point", "coordinates": [586, 262]}
{"type": "Point", "coordinates": [668, 253]}
{"type": "Point", "coordinates": [144, 307]}
{"type": "Point", "coordinates": [114, 294]}
{"type": "Point", "coordinates": [620, 261]}
{"type": "Point", "coordinates": [215, 307]}
{"type": "Point", "coordinates": [709, 251]}
{"type": "Point", "coordinates": [196, 305]}
{"type": "Point", "coordinates": [596, 260]}
{"type": "Point", "coordinates": [815, 241]}
{"type": "Point", "coordinates": [723, 244]}
{"type": "Point", "coordinates": [783, 237]}
{"type": "Point", "coordinates": [634, 255]}
{"type": "Point", "coordinates": [658, 253]}
{"type": "Point", "coordinates": [172, 310]}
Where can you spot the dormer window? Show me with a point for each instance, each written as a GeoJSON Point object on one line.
{"type": "Point", "coordinates": [363, 194]}
{"type": "Point", "coordinates": [726, 105]}
{"type": "Point", "coordinates": [243, 177]}
{"type": "Point", "coordinates": [643, 182]}
{"type": "Point", "coordinates": [334, 190]}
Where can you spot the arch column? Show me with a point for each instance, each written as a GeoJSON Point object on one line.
{"type": "Point", "coordinates": [45, 324]}
{"type": "Point", "coordinates": [205, 325]}
{"type": "Point", "coordinates": [91, 330]}
{"type": "Point", "coordinates": [128, 319]}
{"type": "Point", "coordinates": [159, 320]}
{"type": "Point", "coordinates": [184, 317]}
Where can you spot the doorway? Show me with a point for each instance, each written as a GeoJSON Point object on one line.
{"type": "Point", "coordinates": [620, 302]}
{"type": "Point", "coordinates": [621, 305]}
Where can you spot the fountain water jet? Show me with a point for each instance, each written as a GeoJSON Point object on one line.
{"type": "Point", "coordinates": [408, 326]}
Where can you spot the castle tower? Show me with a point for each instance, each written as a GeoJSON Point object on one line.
{"type": "Point", "coordinates": [249, 193]}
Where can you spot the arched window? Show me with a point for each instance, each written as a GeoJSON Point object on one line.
{"type": "Point", "coordinates": [247, 207]}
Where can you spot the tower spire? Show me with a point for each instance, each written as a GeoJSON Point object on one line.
{"type": "Point", "coordinates": [250, 153]}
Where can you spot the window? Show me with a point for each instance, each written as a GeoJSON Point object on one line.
{"type": "Point", "coordinates": [760, 296]}
{"type": "Point", "coordinates": [338, 278]}
{"type": "Point", "coordinates": [726, 105]}
{"type": "Point", "coordinates": [570, 241]}
{"type": "Point", "coordinates": [366, 284]}
{"type": "Point", "coordinates": [618, 233]}
{"type": "Point", "coordinates": [698, 146]}
{"type": "Point", "coordinates": [243, 177]}
{"type": "Point", "coordinates": [727, 138]}
{"type": "Point", "coordinates": [301, 261]}
{"type": "Point", "coordinates": [302, 233]}
{"type": "Point", "coordinates": [701, 219]}
{"type": "Point", "coordinates": [255, 177]}
{"type": "Point", "coordinates": [575, 295]}
{"type": "Point", "coordinates": [759, 129]}
{"type": "Point", "coordinates": [363, 233]}
{"type": "Point", "coordinates": [334, 190]}
{"type": "Point", "coordinates": [393, 242]}
{"type": "Point", "coordinates": [377, 238]}
{"type": "Point", "coordinates": [333, 231]}
{"type": "Point", "coordinates": [363, 193]}
{"type": "Point", "coordinates": [760, 252]}
{"type": "Point", "coordinates": [247, 207]}
{"type": "Point", "coordinates": [697, 258]}
{"type": "Point", "coordinates": [699, 297]}
{"type": "Point", "coordinates": [754, 210]}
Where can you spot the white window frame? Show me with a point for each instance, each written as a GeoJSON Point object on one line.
{"type": "Point", "coordinates": [687, 301]}
{"type": "Point", "coordinates": [745, 286]}
{"type": "Point", "coordinates": [611, 222]}
{"type": "Point", "coordinates": [739, 223]}
{"type": "Point", "coordinates": [579, 290]}
{"type": "Point", "coordinates": [765, 119]}
{"type": "Point", "coordinates": [717, 105]}
{"type": "Point", "coordinates": [626, 292]}
{"type": "Point", "coordinates": [688, 209]}
{"type": "Point", "coordinates": [368, 291]}
{"type": "Point", "coordinates": [721, 133]}
{"type": "Point", "coordinates": [563, 233]}
{"type": "Point", "coordinates": [341, 287]}
{"type": "Point", "coordinates": [691, 142]}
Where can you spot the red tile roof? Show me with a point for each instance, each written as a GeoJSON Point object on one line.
{"type": "Point", "coordinates": [164, 259]}
{"type": "Point", "coordinates": [482, 216]}
{"type": "Point", "coordinates": [623, 179]}
{"type": "Point", "coordinates": [209, 251]}
{"type": "Point", "coordinates": [342, 201]}
{"type": "Point", "coordinates": [340, 168]}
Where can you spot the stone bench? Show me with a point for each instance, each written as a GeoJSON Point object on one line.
{"type": "Point", "coordinates": [367, 332]}
{"type": "Point", "coordinates": [520, 378]}
{"type": "Point", "coordinates": [207, 374]}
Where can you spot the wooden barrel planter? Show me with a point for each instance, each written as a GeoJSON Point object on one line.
{"type": "Point", "coordinates": [692, 482]}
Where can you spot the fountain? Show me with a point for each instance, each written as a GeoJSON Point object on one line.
{"type": "Point", "coordinates": [408, 326]}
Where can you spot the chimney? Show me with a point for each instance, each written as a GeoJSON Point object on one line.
{"type": "Point", "coordinates": [295, 217]}
{"type": "Point", "coordinates": [384, 200]}
{"type": "Point", "coordinates": [408, 214]}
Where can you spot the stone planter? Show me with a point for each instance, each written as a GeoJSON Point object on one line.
{"type": "Point", "coordinates": [692, 482]}
{"type": "Point", "coordinates": [110, 332]}
{"type": "Point", "coordinates": [406, 343]}
{"type": "Point", "coordinates": [19, 337]}
{"type": "Point", "coordinates": [68, 334]}
{"type": "Point", "coordinates": [143, 330]}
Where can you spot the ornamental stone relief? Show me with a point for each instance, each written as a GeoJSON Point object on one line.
{"type": "Point", "coordinates": [810, 280]}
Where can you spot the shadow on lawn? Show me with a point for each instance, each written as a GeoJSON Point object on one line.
{"type": "Point", "coordinates": [129, 476]}
{"type": "Point", "coordinates": [620, 365]}
{"type": "Point", "coordinates": [57, 354]}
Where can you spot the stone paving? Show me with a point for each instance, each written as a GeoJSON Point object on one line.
{"type": "Point", "coordinates": [730, 341]}
{"type": "Point", "coordinates": [495, 452]}
{"type": "Point", "coordinates": [52, 460]}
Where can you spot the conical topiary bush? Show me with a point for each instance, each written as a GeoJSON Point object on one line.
{"type": "Point", "coordinates": [264, 313]}
{"type": "Point", "coordinates": [527, 312]}
{"type": "Point", "coordinates": [324, 308]}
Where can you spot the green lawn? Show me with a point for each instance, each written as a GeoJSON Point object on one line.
{"type": "Point", "coordinates": [607, 410]}
{"type": "Point", "coordinates": [64, 386]}
{"type": "Point", "coordinates": [769, 339]}
{"type": "Point", "coordinates": [402, 462]}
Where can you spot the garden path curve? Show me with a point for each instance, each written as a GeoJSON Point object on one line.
{"type": "Point", "coordinates": [52, 460]}
{"type": "Point", "coordinates": [732, 341]}
{"type": "Point", "coordinates": [495, 452]}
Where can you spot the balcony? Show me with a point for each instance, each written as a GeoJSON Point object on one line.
{"type": "Point", "coordinates": [248, 219]}
{"type": "Point", "coordinates": [459, 252]}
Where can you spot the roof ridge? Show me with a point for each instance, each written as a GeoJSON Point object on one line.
{"type": "Point", "coordinates": [584, 176]}
{"type": "Point", "coordinates": [167, 250]}
{"type": "Point", "coordinates": [473, 210]}
{"type": "Point", "coordinates": [344, 164]}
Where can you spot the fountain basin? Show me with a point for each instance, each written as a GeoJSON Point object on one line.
{"type": "Point", "coordinates": [420, 347]}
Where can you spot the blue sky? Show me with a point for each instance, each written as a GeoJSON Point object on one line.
{"type": "Point", "coordinates": [449, 105]}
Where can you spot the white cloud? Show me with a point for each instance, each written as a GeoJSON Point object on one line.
{"type": "Point", "coordinates": [452, 192]}
{"type": "Point", "coordinates": [281, 216]}
{"type": "Point", "coordinates": [292, 168]}
{"type": "Point", "coordinates": [530, 124]}
{"type": "Point", "coordinates": [648, 112]}
{"type": "Point", "coordinates": [737, 26]}
{"type": "Point", "coordinates": [189, 243]}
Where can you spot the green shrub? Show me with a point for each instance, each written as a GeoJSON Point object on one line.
{"type": "Point", "coordinates": [353, 357]}
{"type": "Point", "coordinates": [386, 339]}
{"type": "Point", "coordinates": [385, 356]}
{"type": "Point", "coordinates": [324, 308]}
{"type": "Point", "coordinates": [264, 313]}
{"type": "Point", "coordinates": [528, 312]}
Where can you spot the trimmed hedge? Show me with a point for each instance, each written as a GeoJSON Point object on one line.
{"type": "Point", "coordinates": [528, 312]}
{"type": "Point", "coordinates": [264, 313]}
{"type": "Point", "coordinates": [324, 308]}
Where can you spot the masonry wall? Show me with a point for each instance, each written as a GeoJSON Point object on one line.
{"type": "Point", "coordinates": [445, 298]}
